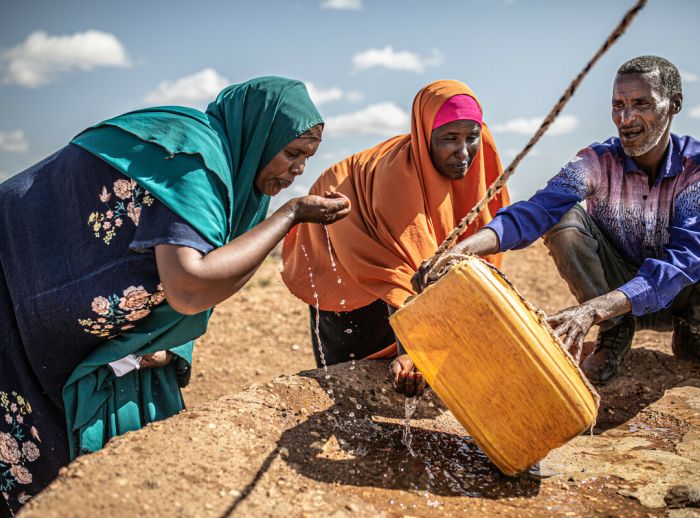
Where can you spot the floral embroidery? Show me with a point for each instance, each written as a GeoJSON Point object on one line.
{"type": "Point", "coordinates": [130, 197]}
{"type": "Point", "coordinates": [18, 447]}
{"type": "Point", "coordinates": [117, 314]}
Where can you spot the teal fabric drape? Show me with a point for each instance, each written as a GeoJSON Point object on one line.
{"type": "Point", "coordinates": [202, 165]}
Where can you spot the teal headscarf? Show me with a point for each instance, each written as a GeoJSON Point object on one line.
{"type": "Point", "coordinates": [203, 167]}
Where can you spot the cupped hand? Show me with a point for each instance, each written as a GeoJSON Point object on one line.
{"type": "Point", "coordinates": [405, 377]}
{"type": "Point", "coordinates": [326, 209]}
{"type": "Point", "coordinates": [157, 359]}
{"type": "Point", "coordinates": [572, 325]}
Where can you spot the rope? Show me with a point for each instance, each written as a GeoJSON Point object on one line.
{"type": "Point", "coordinates": [498, 184]}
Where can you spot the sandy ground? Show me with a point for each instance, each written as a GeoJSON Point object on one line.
{"type": "Point", "coordinates": [256, 335]}
{"type": "Point", "coordinates": [283, 447]}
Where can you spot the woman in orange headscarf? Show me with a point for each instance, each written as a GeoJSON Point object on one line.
{"type": "Point", "coordinates": [406, 194]}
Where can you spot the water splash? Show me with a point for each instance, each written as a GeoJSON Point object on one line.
{"type": "Point", "coordinates": [410, 405]}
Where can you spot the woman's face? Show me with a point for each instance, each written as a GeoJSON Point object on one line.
{"type": "Point", "coordinates": [453, 146]}
{"type": "Point", "coordinates": [285, 166]}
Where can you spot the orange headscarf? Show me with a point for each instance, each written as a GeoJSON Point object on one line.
{"type": "Point", "coordinates": [402, 209]}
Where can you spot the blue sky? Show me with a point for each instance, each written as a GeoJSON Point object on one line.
{"type": "Point", "coordinates": [66, 65]}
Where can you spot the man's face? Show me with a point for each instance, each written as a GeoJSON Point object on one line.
{"type": "Point", "coordinates": [640, 111]}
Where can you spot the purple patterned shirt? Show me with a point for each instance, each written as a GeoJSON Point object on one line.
{"type": "Point", "coordinates": [657, 228]}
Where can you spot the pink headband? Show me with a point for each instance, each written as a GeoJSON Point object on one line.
{"type": "Point", "coordinates": [456, 108]}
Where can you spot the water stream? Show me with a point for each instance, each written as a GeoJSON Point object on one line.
{"type": "Point", "coordinates": [410, 405]}
{"type": "Point", "coordinates": [317, 317]}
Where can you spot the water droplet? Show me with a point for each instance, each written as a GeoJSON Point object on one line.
{"type": "Point", "coordinates": [358, 407]}
{"type": "Point", "coordinates": [327, 376]}
{"type": "Point", "coordinates": [352, 355]}
{"type": "Point", "coordinates": [352, 414]}
{"type": "Point", "coordinates": [336, 411]}
{"type": "Point", "coordinates": [330, 250]}
{"type": "Point", "coordinates": [349, 331]}
{"type": "Point", "coordinates": [342, 302]}
{"type": "Point", "coordinates": [339, 281]}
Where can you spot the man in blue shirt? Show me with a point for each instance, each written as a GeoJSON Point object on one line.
{"type": "Point", "coordinates": [632, 257]}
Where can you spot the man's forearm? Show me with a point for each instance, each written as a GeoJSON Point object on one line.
{"type": "Point", "coordinates": [484, 242]}
{"type": "Point", "coordinates": [608, 306]}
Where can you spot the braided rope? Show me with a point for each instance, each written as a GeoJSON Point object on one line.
{"type": "Point", "coordinates": [498, 184]}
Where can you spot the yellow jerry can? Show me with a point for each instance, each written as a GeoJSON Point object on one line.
{"type": "Point", "coordinates": [502, 372]}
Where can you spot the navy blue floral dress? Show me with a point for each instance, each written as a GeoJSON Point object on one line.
{"type": "Point", "coordinates": [77, 264]}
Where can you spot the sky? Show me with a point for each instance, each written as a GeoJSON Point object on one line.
{"type": "Point", "coordinates": [70, 64]}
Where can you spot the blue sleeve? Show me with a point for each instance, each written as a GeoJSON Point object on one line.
{"type": "Point", "coordinates": [522, 223]}
{"type": "Point", "coordinates": [659, 281]}
{"type": "Point", "coordinates": [159, 225]}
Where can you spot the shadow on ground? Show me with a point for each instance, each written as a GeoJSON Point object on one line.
{"type": "Point", "coordinates": [645, 376]}
{"type": "Point", "coordinates": [360, 441]}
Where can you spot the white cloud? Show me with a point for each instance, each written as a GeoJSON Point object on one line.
{"type": "Point", "coordinates": [689, 77]}
{"type": "Point", "coordinates": [190, 90]}
{"type": "Point", "coordinates": [396, 60]}
{"type": "Point", "coordinates": [322, 96]}
{"type": "Point", "coordinates": [41, 58]}
{"type": "Point", "coordinates": [342, 5]}
{"type": "Point", "coordinates": [383, 118]}
{"type": "Point", "coordinates": [354, 96]}
{"type": "Point", "coordinates": [527, 126]}
{"type": "Point", "coordinates": [13, 141]}
{"type": "Point", "coordinates": [328, 95]}
{"type": "Point", "coordinates": [695, 112]}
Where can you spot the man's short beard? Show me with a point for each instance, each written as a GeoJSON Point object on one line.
{"type": "Point", "coordinates": [656, 131]}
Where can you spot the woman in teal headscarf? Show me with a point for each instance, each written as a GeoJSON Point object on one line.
{"type": "Point", "coordinates": [115, 249]}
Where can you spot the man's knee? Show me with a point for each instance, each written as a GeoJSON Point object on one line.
{"type": "Point", "coordinates": [565, 239]}
{"type": "Point", "coordinates": [576, 218]}
{"type": "Point", "coordinates": [570, 233]}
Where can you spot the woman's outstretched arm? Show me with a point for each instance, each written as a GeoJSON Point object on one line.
{"type": "Point", "coordinates": [194, 282]}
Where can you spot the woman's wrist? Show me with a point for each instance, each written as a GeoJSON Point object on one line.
{"type": "Point", "coordinates": [290, 210]}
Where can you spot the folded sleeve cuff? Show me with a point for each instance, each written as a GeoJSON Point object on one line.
{"type": "Point", "coordinates": [498, 225]}
{"type": "Point", "coordinates": [506, 232]}
{"type": "Point", "coordinates": [642, 295]}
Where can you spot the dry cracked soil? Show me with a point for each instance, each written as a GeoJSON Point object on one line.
{"type": "Point", "coordinates": [258, 439]}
